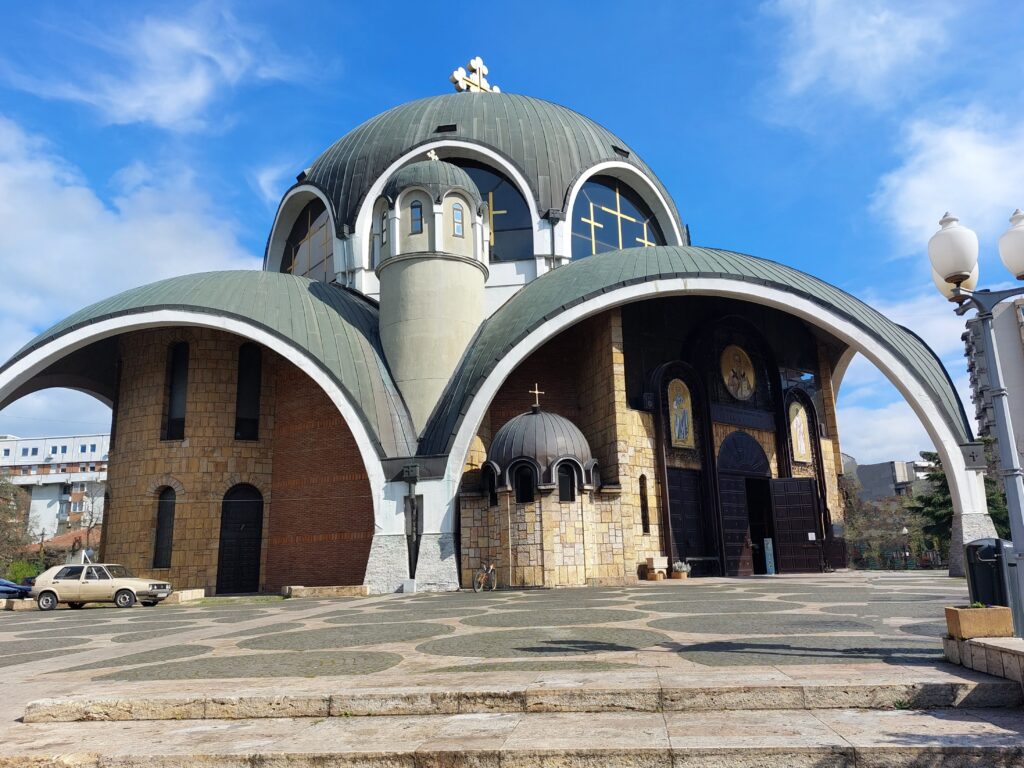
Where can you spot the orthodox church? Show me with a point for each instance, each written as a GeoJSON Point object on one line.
{"type": "Point", "coordinates": [481, 334]}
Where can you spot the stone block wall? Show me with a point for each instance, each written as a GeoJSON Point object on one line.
{"type": "Point", "coordinates": [201, 468]}
{"type": "Point", "coordinates": [832, 459]}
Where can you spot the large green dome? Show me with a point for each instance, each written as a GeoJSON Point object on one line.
{"type": "Point", "coordinates": [549, 144]}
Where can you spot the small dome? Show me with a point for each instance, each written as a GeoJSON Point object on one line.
{"type": "Point", "coordinates": [435, 176]}
{"type": "Point", "coordinates": [542, 437]}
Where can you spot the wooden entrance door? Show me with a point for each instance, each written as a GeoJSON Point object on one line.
{"type": "Point", "coordinates": [739, 559]}
{"type": "Point", "coordinates": [795, 509]}
{"type": "Point", "coordinates": [693, 534]}
{"type": "Point", "coordinates": [241, 537]}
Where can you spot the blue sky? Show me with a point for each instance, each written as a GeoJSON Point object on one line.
{"type": "Point", "coordinates": [143, 140]}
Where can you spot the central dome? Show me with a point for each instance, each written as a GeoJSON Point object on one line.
{"type": "Point", "coordinates": [550, 145]}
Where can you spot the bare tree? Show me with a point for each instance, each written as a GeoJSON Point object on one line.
{"type": "Point", "coordinates": [14, 536]}
{"type": "Point", "coordinates": [92, 509]}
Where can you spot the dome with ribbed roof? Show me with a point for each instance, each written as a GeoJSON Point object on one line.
{"type": "Point", "coordinates": [437, 177]}
{"type": "Point", "coordinates": [542, 439]}
{"type": "Point", "coordinates": [549, 144]}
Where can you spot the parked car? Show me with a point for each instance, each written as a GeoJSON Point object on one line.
{"type": "Point", "coordinates": [9, 590]}
{"type": "Point", "coordinates": [77, 585]}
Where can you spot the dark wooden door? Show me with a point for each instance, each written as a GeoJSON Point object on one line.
{"type": "Point", "coordinates": [241, 537]}
{"type": "Point", "coordinates": [692, 532]}
{"type": "Point", "coordinates": [795, 508]}
{"type": "Point", "coordinates": [732, 489]}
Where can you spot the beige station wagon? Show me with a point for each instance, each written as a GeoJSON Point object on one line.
{"type": "Point", "coordinates": [77, 585]}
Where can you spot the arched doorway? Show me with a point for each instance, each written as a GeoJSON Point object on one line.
{"type": "Point", "coordinates": [744, 477]}
{"type": "Point", "coordinates": [241, 538]}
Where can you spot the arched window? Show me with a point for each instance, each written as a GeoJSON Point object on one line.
{"type": "Point", "coordinates": [645, 510]}
{"type": "Point", "coordinates": [177, 389]}
{"type": "Point", "coordinates": [384, 227]}
{"type": "Point", "coordinates": [490, 487]}
{"type": "Point", "coordinates": [509, 223]}
{"type": "Point", "coordinates": [566, 482]}
{"type": "Point", "coordinates": [416, 218]}
{"type": "Point", "coordinates": [307, 251]}
{"type": "Point", "coordinates": [607, 215]}
{"type": "Point", "coordinates": [524, 484]}
{"type": "Point", "coordinates": [164, 529]}
{"type": "Point", "coordinates": [247, 399]}
{"type": "Point", "coordinates": [457, 223]}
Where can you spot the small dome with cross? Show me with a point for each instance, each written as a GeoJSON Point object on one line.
{"type": "Point", "coordinates": [542, 440]}
{"type": "Point", "coordinates": [436, 177]}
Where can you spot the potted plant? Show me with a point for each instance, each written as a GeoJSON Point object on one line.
{"type": "Point", "coordinates": [680, 570]}
{"type": "Point", "coordinates": [978, 620]}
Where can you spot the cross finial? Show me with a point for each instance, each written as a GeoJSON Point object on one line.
{"type": "Point", "coordinates": [474, 81]}
{"type": "Point", "coordinates": [536, 392]}
{"type": "Point", "coordinates": [432, 155]}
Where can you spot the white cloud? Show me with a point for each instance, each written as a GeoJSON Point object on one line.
{"type": "Point", "coordinates": [165, 71]}
{"type": "Point", "coordinates": [62, 247]}
{"type": "Point", "coordinates": [271, 181]}
{"type": "Point", "coordinates": [968, 163]}
{"type": "Point", "coordinates": [888, 433]}
{"type": "Point", "coordinates": [865, 50]}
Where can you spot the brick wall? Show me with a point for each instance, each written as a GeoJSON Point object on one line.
{"type": "Point", "coordinates": [322, 524]}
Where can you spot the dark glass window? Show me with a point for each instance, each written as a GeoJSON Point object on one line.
{"type": "Point", "coordinates": [247, 401]}
{"type": "Point", "coordinates": [164, 529]}
{"type": "Point", "coordinates": [566, 483]}
{"type": "Point", "coordinates": [383, 227]}
{"type": "Point", "coordinates": [508, 215]}
{"type": "Point", "coordinates": [307, 252]}
{"type": "Point", "coordinates": [524, 484]}
{"type": "Point", "coordinates": [177, 388]}
{"type": "Point", "coordinates": [416, 218]}
{"type": "Point", "coordinates": [72, 572]}
{"type": "Point", "coordinates": [607, 215]}
{"type": "Point", "coordinates": [645, 511]}
{"type": "Point", "coordinates": [457, 228]}
{"type": "Point", "coordinates": [490, 487]}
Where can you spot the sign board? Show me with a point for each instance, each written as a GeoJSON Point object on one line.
{"type": "Point", "coordinates": [769, 557]}
{"type": "Point", "coordinates": [812, 536]}
{"type": "Point", "coordinates": [974, 455]}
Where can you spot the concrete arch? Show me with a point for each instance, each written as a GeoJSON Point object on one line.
{"type": "Point", "coordinates": [639, 182]}
{"type": "Point", "coordinates": [165, 481]}
{"type": "Point", "coordinates": [966, 486]}
{"type": "Point", "coordinates": [21, 371]}
{"type": "Point", "coordinates": [294, 200]}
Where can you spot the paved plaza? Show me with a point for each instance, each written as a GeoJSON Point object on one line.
{"type": "Point", "coordinates": [771, 644]}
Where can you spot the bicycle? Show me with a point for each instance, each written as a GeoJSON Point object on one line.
{"type": "Point", "coordinates": [485, 578]}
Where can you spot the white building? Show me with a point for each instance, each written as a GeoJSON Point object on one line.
{"type": "Point", "coordinates": [65, 477]}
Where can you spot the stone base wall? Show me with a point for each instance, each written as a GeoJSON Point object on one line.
{"type": "Point", "coordinates": [388, 564]}
{"type": "Point", "coordinates": [437, 568]}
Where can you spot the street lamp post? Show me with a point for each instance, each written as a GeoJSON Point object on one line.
{"type": "Point", "coordinates": [953, 252]}
{"type": "Point", "coordinates": [905, 533]}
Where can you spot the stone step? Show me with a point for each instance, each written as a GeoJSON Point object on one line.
{"type": "Point", "coordinates": [393, 701]}
{"type": "Point", "coordinates": [834, 738]}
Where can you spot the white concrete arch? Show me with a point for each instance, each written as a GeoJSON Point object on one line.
{"type": "Point", "coordinates": [361, 239]}
{"type": "Point", "coordinates": [40, 358]}
{"type": "Point", "coordinates": [292, 203]}
{"type": "Point", "coordinates": [639, 182]}
{"type": "Point", "coordinates": [966, 486]}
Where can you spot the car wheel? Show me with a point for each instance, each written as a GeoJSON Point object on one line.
{"type": "Point", "coordinates": [124, 599]}
{"type": "Point", "coordinates": [149, 603]}
{"type": "Point", "coordinates": [76, 605]}
{"type": "Point", "coordinates": [46, 601]}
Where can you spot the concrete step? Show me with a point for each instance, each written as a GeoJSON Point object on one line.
{"type": "Point", "coordinates": [571, 695]}
{"type": "Point", "coordinates": [833, 738]}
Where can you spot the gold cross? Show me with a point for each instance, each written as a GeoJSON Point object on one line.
{"type": "Point", "coordinates": [475, 80]}
{"type": "Point", "coordinates": [594, 224]}
{"type": "Point", "coordinates": [536, 392]}
{"type": "Point", "coordinates": [643, 240]}
{"type": "Point", "coordinates": [618, 214]}
{"type": "Point", "coordinates": [491, 213]}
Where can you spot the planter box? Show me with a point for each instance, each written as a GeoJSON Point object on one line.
{"type": "Point", "coordinates": [680, 575]}
{"type": "Point", "coordinates": [655, 576]}
{"type": "Point", "coordinates": [965, 623]}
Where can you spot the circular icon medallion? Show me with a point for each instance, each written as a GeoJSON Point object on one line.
{"type": "Point", "coordinates": [738, 372]}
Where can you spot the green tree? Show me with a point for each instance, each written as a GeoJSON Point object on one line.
{"type": "Point", "coordinates": [935, 505]}
{"type": "Point", "coordinates": [13, 524]}
{"type": "Point", "coordinates": [994, 495]}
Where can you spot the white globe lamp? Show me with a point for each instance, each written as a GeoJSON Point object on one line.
{"type": "Point", "coordinates": [953, 250]}
{"type": "Point", "coordinates": [946, 289]}
{"type": "Point", "coordinates": [1011, 245]}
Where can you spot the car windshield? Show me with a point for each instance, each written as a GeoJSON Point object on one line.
{"type": "Point", "coordinates": [120, 572]}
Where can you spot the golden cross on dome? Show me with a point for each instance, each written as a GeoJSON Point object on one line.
{"type": "Point", "coordinates": [432, 155]}
{"type": "Point", "coordinates": [491, 213]}
{"type": "Point", "coordinates": [594, 225]}
{"type": "Point", "coordinates": [618, 214]}
{"type": "Point", "coordinates": [536, 392]}
{"type": "Point", "coordinates": [474, 81]}
{"type": "Point", "coordinates": [643, 240]}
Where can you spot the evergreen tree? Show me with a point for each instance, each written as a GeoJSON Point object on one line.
{"type": "Point", "coordinates": [935, 505]}
{"type": "Point", "coordinates": [994, 494]}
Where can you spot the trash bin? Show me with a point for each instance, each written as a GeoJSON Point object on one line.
{"type": "Point", "coordinates": [985, 576]}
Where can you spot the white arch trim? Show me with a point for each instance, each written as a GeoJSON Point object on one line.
{"type": "Point", "coordinates": [38, 359]}
{"type": "Point", "coordinates": [639, 182]}
{"type": "Point", "coordinates": [293, 202]}
{"type": "Point", "coordinates": [464, 149]}
{"type": "Point", "coordinates": [966, 486]}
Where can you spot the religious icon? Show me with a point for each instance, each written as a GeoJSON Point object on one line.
{"type": "Point", "coordinates": [738, 372]}
{"type": "Point", "coordinates": [680, 408]}
{"type": "Point", "coordinates": [799, 433]}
